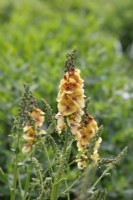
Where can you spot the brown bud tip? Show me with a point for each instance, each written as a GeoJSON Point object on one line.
{"type": "Point", "coordinates": [73, 69]}
{"type": "Point", "coordinates": [86, 122]}
{"type": "Point", "coordinates": [74, 157]}
{"type": "Point", "coordinates": [87, 147]}
{"type": "Point", "coordinates": [65, 77]}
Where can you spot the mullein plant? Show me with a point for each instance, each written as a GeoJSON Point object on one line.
{"type": "Point", "coordinates": [48, 148]}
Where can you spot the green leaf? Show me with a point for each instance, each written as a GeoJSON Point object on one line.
{"type": "Point", "coordinates": [3, 176]}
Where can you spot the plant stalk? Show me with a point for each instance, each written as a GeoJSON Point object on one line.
{"type": "Point", "coordinates": [103, 174]}
{"type": "Point", "coordinates": [50, 165]}
{"type": "Point", "coordinates": [27, 182]}
{"type": "Point", "coordinates": [55, 186]}
{"type": "Point", "coordinates": [15, 174]}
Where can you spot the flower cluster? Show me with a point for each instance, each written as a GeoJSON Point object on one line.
{"type": "Point", "coordinates": [87, 130]}
{"type": "Point", "coordinates": [71, 105]}
{"type": "Point", "coordinates": [30, 132]}
{"type": "Point", "coordinates": [70, 101]}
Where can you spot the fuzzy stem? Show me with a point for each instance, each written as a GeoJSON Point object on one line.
{"type": "Point", "coordinates": [27, 182]}
{"type": "Point", "coordinates": [56, 180]}
{"type": "Point", "coordinates": [15, 174]}
{"type": "Point", "coordinates": [68, 195]}
{"type": "Point", "coordinates": [103, 174]}
{"type": "Point", "coordinates": [68, 189]}
{"type": "Point", "coordinates": [55, 191]}
{"type": "Point", "coordinates": [50, 165]}
{"type": "Point", "coordinates": [19, 183]}
{"type": "Point", "coordinates": [66, 142]}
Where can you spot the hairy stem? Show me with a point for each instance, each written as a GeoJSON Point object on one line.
{"type": "Point", "coordinates": [19, 183]}
{"type": "Point", "coordinates": [27, 182]}
{"type": "Point", "coordinates": [103, 174]}
{"type": "Point", "coordinates": [15, 172]}
{"type": "Point", "coordinates": [55, 186]}
{"type": "Point", "coordinates": [68, 195]}
{"type": "Point", "coordinates": [69, 188]}
{"type": "Point", "coordinates": [15, 175]}
{"type": "Point", "coordinates": [50, 165]}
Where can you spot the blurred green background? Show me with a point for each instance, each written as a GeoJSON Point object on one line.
{"type": "Point", "coordinates": [35, 36]}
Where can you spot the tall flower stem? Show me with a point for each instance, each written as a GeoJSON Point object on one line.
{"type": "Point", "coordinates": [69, 188]}
{"type": "Point", "coordinates": [68, 195]}
{"type": "Point", "coordinates": [64, 151]}
{"type": "Point", "coordinates": [27, 182]}
{"type": "Point", "coordinates": [15, 175]}
{"type": "Point", "coordinates": [55, 186]}
{"type": "Point", "coordinates": [20, 186]}
{"type": "Point", "coordinates": [50, 165]}
{"type": "Point", "coordinates": [16, 159]}
{"type": "Point", "coordinates": [103, 174]}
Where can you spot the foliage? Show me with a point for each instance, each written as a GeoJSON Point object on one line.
{"type": "Point", "coordinates": [43, 182]}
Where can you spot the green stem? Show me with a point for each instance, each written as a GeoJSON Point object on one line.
{"type": "Point", "coordinates": [15, 175]}
{"type": "Point", "coordinates": [103, 174]}
{"type": "Point", "coordinates": [20, 186]}
{"type": "Point", "coordinates": [55, 186]}
{"type": "Point", "coordinates": [66, 142]}
{"type": "Point", "coordinates": [50, 165]}
{"type": "Point", "coordinates": [54, 191]}
{"type": "Point", "coordinates": [72, 184]}
{"type": "Point", "coordinates": [15, 172]}
{"type": "Point", "coordinates": [68, 195]}
{"type": "Point", "coordinates": [27, 182]}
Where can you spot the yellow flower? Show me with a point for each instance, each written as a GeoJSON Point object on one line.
{"type": "Point", "coordinates": [84, 138]}
{"type": "Point", "coordinates": [95, 155]}
{"type": "Point", "coordinates": [66, 106]}
{"type": "Point", "coordinates": [37, 115]}
{"type": "Point", "coordinates": [97, 145]}
{"type": "Point", "coordinates": [27, 127]}
{"type": "Point", "coordinates": [90, 131]}
{"type": "Point", "coordinates": [79, 145]}
{"type": "Point", "coordinates": [93, 124]}
{"type": "Point", "coordinates": [75, 74]}
{"type": "Point", "coordinates": [74, 123]}
{"type": "Point", "coordinates": [87, 132]}
{"type": "Point", "coordinates": [60, 122]}
{"type": "Point", "coordinates": [30, 134]}
{"type": "Point", "coordinates": [75, 118]}
{"type": "Point", "coordinates": [71, 101]}
{"type": "Point", "coordinates": [27, 146]}
{"type": "Point", "coordinates": [69, 86]}
{"type": "Point", "coordinates": [81, 164]}
{"type": "Point", "coordinates": [78, 98]}
{"type": "Point", "coordinates": [70, 82]}
{"type": "Point", "coordinates": [86, 135]}
{"type": "Point", "coordinates": [75, 131]}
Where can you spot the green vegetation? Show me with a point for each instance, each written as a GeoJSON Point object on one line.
{"type": "Point", "coordinates": [35, 36]}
